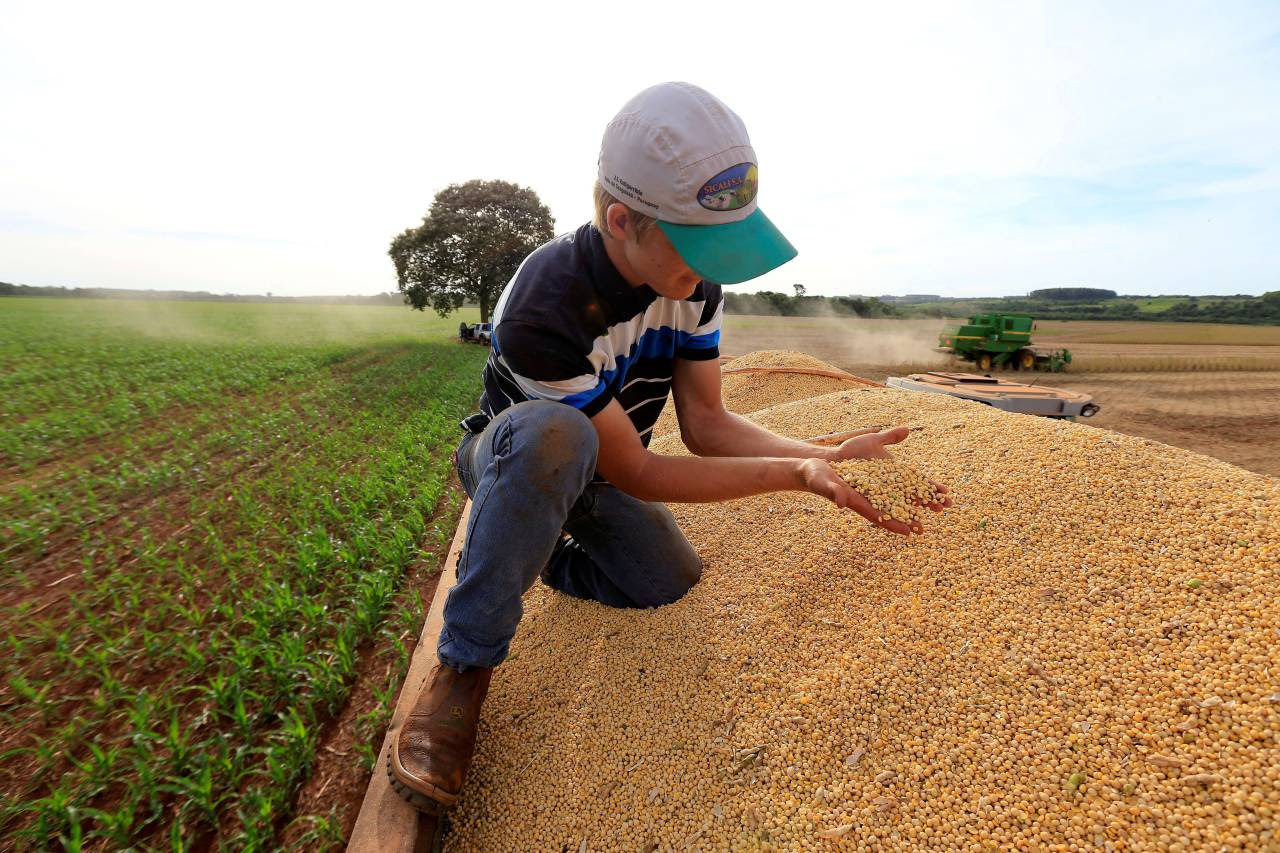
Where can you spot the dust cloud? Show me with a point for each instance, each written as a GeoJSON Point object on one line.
{"type": "Point", "coordinates": [873, 348]}
{"type": "Point", "coordinates": [235, 323]}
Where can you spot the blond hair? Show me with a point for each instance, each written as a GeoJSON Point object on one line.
{"type": "Point", "coordinates": [640, 223]}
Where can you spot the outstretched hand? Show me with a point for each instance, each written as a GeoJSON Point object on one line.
{"type": "Point", "coordinates": [865, 444]}
{"type": "Point", "coordinates": [871, 443]}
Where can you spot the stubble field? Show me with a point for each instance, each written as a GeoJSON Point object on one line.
{"type": "Point", "coordinates": [1211, 388]}
{"type": "Point", "coordinates": [208, 516]}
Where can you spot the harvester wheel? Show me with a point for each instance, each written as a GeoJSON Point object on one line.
{"type": "Point", "coordinates": [984, 362]}
{"type": "Point", "coordinates": [1026, 359]}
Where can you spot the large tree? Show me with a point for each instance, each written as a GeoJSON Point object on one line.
{"type": "Point", "coordinates": [469, 245]}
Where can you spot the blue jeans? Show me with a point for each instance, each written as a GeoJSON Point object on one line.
{"type": "Point", "coordinates": [529, 477]}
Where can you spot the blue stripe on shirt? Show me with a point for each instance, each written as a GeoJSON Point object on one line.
{"type": "Point", "coordinates": [654, 343]}
{"type": "Point", "coordinates": [584, 398]}
{"type": "Point", "coordinates": [707, 341]}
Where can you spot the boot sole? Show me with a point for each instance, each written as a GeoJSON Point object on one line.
{"type": "Point", "coordinates": [423, 801]}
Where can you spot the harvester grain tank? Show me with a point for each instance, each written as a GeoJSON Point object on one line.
{"type": "Point", "coordinates": [1000, 340]}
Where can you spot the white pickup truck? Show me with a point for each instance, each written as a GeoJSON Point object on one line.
{"type": "Point", "coordinates": [478, 333]}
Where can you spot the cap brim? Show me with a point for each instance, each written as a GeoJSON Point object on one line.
{"type": "Point", "coordinates": [732, 252]}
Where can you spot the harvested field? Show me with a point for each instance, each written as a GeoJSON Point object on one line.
{"type": "Point", "coordinates": [1167, 358]}
{"type": "Point", "coordinates": [1174, 334]}
{"type": "Point", "coordinates": [1233, 416]}
{"type": "Point", "coordinates": [1211, 397]}
{"type": "Point", "coordinates": [879, 348]}
{"type": "Point", "coordinates": [1081, 653]}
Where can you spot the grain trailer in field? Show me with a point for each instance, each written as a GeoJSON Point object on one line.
{"type": "Point", "coordinates": [1001, 394]}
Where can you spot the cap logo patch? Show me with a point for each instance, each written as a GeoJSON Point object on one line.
{"type": "Point", "coordinates": [733, 188]}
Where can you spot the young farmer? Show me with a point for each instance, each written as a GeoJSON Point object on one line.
{"type": "Point", "coordinates": [590, 335]}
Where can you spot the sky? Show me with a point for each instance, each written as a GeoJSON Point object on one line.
{"type": "Point", "coordinates": [952, 148]}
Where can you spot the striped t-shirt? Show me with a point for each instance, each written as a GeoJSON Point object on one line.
{"type": "Point", "coordinates": [569, 328]}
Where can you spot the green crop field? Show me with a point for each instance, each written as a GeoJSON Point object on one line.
{"type": "Point", "coordinates": [206, 510]}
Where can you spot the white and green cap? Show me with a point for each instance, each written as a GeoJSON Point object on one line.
{"type": "Point", "coordinates": [677, 153]}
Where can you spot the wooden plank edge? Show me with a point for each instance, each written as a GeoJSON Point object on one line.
{"type": "Point", "coordinates": [386, 823]}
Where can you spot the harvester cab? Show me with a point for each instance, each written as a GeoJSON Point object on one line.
{"type": "Point", "coordinates": [1000, 340]}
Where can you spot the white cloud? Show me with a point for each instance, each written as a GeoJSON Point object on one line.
{"type": "Point", "coordinates": [141, 138]}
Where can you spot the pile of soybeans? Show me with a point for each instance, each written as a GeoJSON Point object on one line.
{"type": "Point", "coordinates": [1084, 652]}
{"type": "Point", "coordinates": [898, 492]}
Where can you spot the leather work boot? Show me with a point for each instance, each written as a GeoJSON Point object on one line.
{"type": "Point", "coordinates": [432, 751]}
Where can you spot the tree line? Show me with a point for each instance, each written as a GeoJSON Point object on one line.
{"type": "Point", "coordinates": [1072, 294]}
{"type": "Point", "coordinates": [803, 305]}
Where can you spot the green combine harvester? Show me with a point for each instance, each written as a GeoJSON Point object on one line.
{"type": "Point", "coordinates": [1000, 340]}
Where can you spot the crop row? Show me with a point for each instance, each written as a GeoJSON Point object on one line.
{"type": "Point", "coordinates": [179, 626]}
